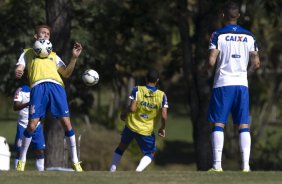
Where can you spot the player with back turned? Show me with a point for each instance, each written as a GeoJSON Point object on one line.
{"type": "Point", "coordinates": [231, 49]}
{"type": "Point", "coordinates": [147, 103]}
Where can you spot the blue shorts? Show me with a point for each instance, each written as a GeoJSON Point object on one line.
{"type": "Point", "coordinates": [37, 141]}
{"type": "Point", "coordinates": [234, 99]}
{"type": "Point", "coordinates": [48, 96]}
{"type": "Point", "coordinates": [146, 143]}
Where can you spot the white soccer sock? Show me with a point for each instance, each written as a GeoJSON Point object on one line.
{"type": "Point", "coordinates": [16, 163]}
{"type": "Point", "coordinates": [245, 147]}
{"type": "Point", "coordinates": [39, 164]}
{"type": "Point", "coordinates": [115, 161]}
{"type": "Point", "coordinates": [72, 144]}
{"type": "Point", "coordinates": [144, 162]}
{"type": "Point", "coordinates": [217, 140]}
{"type": "Point", "coordinates": [25, 144]}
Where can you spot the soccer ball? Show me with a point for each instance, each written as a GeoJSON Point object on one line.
{"type": "Point", "coordinates": [42, 48]}
{"type": "Point", "coordinates": [90, 77]}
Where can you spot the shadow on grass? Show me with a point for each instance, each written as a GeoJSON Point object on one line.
{"type": "Point", "coordinates": [175, 152]}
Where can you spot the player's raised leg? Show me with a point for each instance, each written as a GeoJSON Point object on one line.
{"type": "Point", "coordinates": [116, 159]}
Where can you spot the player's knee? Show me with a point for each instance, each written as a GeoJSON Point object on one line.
{"type": "Point", "coordinates": [66, 123]}
{"type": "Point", "coordinates": [32, 125]}
{"type": "Point", "coordinates": [242, 126]}
{"type": "Point", "coordinates": [27, 133]}
{"type": "Point", "coordinates": [39, 153]}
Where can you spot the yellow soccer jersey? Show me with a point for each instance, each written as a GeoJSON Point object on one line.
{"type": "Point", "coordinates": [41, 69]}
{"type": "Point", "coordinates": [147, 113]}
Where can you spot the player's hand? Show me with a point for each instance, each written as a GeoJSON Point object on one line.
{"type": "Point", "coordinates": [161, 132]}
{"type": "Point", "coordinates": [123, 116]}
{"type": "Point", "coordinates": [19, 73]}
{"type": "Point", "coordinates": [77, 48]}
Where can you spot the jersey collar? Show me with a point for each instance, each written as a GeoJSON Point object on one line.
{"type": "Point", "coordinates": [151, 88]}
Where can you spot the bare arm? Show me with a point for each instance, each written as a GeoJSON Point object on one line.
{"type": "Point", "coordinates": [161, 131]}
{"type": "Point", "coordinates": [19, 71]}
{"type": "Point", "coordinates": [131, 108]}
{"type": "Point", "coordinates": [255, 61]}
{"type": "Point", "coordinates": [67, 71]}
{"type": "Point", "coordinates": [211, 60]}
{"type": "Point", "coordinates": [19, 106]}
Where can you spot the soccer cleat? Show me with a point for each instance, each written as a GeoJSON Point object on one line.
{"type": "Point", "coordinates": [77, 167]}
{"type": "Point", "coordinates": [20, 166]}
{"type": "Point", "coordinates": [215, 170]}
{"type": "Point", "coordinates": [246, 170]}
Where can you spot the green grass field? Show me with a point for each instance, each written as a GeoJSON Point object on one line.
{"type": "Point", "coordinates": [156, 177]}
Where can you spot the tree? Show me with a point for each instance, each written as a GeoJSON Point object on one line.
{"type": "Point", "coordinates": [59, 19]}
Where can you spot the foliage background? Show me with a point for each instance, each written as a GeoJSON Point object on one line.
{"type": "Point", "coordinates": [123, 38]}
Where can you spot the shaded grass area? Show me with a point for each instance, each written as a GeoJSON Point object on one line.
{"type": "Point", "coordinates": [149, 177]}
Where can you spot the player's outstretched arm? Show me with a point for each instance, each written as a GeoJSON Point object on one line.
{"type": "Point", "coordinates": [19, 71]}
{"type": "Point", "coordinates": [67, 71]}
{"type": "Point", "coordinates": [131, 108]}
{"type": "Point", "coordinates": [19, 106]}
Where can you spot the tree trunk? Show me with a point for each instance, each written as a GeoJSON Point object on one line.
{"type": "Point", "coordinates": [58, 18]}
{"type": "Point", "coordinates": [202, 128]}
{"type": "Point", "coordinates": [198, 90]}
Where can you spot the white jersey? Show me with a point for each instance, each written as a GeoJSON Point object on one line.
{"type": "Point", "coordinates": [23, 95]}
{"type": "Point", "coordinates": [234, 44]}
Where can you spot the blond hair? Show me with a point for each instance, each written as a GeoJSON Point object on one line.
{"type": "Point", "coordinates": [42, 26]}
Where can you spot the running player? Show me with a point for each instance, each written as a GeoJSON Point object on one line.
{"type": "Point", "coordinates": [21, 103]}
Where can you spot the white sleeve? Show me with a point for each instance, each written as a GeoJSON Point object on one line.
{"type": "Point", "coordinates": [253, 45]}
{"type": "Point", "coordinates": [18, 95]}
{"type": "Point", "coordinates": [21, 60]}
{"type": "Point", "coordinates": [59, 62]}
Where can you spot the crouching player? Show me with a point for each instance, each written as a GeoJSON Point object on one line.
{"type": "Point", "coordinates": [147, 103]}
{"type": "Point", "coordinates": [21, 104]}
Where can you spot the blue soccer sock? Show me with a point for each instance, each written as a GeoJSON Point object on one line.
{"type": "Point", "coordinates": [116, 159]}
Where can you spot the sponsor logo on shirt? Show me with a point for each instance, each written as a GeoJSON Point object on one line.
{"type": "Point", "coordinates": [236, 38]}
{"type": "Point", "coordinates": [32, 109]}
{"type": "Point", "coordinates": [147, 104]}
{"type": "Point", "coordinates": [236, 56]}
{"type": "Point", "coordinates": [144, 116]}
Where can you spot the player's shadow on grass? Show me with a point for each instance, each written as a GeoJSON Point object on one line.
{"type": "Point", "coordinates": [175, 152]}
